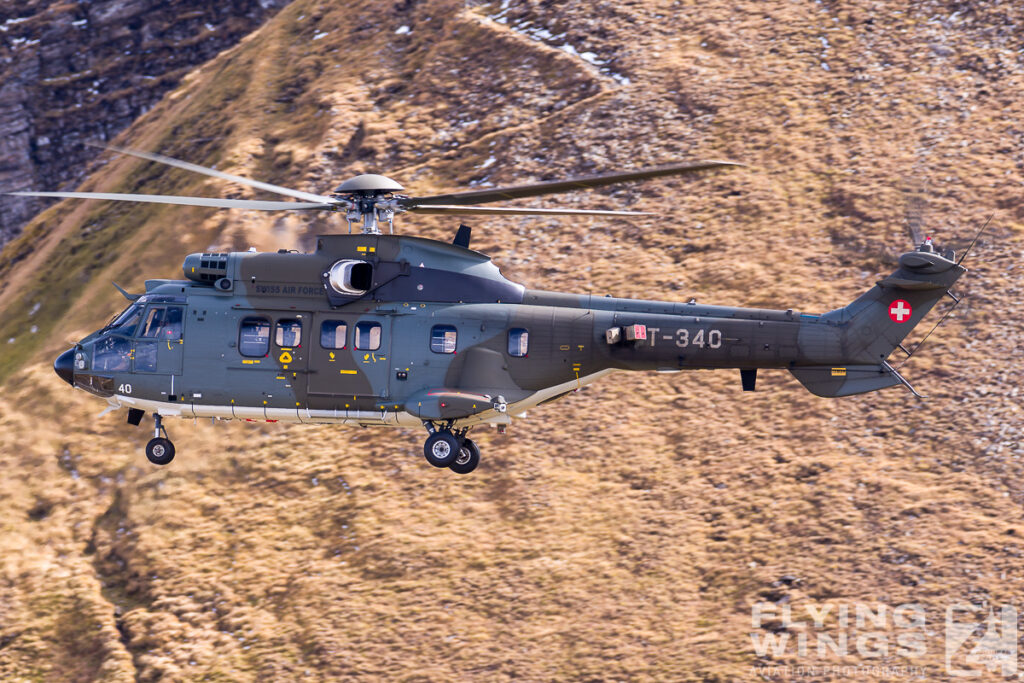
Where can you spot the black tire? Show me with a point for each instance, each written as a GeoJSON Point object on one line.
{"type": "Point", "coordinates": [160, 451]}
{"type": "Point", "coordinates": [467, 459]}
{"type": "Point", "coordinates": [441, 449]}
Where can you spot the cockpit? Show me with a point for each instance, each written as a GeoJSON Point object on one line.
{"type": "Point", "coordinates": [132, 342]}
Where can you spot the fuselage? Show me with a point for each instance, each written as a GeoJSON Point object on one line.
{"type": "Point", "coordinates": [437, 334]}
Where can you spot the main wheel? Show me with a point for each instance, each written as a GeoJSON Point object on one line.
{"type": "Point", "coordinates": [160, 451]}
{"type": "Point", "coordinates": [441, 449]}
{"type": "Point", "coordinates": [467, 459]}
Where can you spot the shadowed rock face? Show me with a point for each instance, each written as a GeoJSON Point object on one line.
{"type": "Point", "coordinates": [84, 71]}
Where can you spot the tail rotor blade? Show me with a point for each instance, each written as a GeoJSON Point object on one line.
{"type": "Point", "coordinates": [914, 213]}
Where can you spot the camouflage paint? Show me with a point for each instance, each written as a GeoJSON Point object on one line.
{"type": "Point", "coordinates": [418, 284]}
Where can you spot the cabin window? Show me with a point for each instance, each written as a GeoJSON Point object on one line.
{"type": "Point", "coordinates": [289, 333]}
{"type": "Point", "coordinates": [368, 336]}
{"type": "Point", "coordinates": [254, 337]}
{"type": "Point", "coordinates": [442, 339]}
{"type": "Point", "coordinates": [332, 334]}
{"type": "Point", "coordinates": [162, 322]}
{"type": "Point", "coordinates": [518, 342]}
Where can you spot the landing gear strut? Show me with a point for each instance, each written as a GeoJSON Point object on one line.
{"type": "Point", "coordinates": [159, 450]}
{"type": "Point", "coordinates": [450, 448]}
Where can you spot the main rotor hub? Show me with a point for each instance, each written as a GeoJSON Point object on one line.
{"type": "Point", "coordinates": [367, 198]}
{"type": "Point", "coordinates": [368, 182]}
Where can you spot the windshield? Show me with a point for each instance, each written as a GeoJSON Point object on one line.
{"type": "Point", "coordinates": [125, 322]}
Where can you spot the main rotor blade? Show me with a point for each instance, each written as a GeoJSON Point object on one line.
{"type": "Point", "coordinates": [557, 186]}
{"type": "Point", "coordinates": [187, 201]}
{"type": "Point", "coordinates": [511, 211]}
{"type": "Point", "coordinates": [195, 168]}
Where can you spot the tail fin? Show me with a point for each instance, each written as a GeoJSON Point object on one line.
{"type": "Point", "coordinates": [875, 324]}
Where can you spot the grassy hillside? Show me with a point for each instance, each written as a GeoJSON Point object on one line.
{"type": "Point", "coordinates": [625, 532]}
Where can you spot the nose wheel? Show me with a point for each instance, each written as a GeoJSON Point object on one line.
{"type": "Point", "coordinates": [451, 449]}
{"type": "Point", "coordinates": [159, 450]}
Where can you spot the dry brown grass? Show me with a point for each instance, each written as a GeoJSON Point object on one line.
{"type": "Point", "coordinates": [623, 533]}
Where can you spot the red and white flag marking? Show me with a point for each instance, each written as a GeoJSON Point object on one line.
{"type": "Point", "coordinates": [899, 311]}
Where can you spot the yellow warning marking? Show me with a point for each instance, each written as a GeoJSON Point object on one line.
{"type": "Point", "coordinates": [579, 346]}
{"type": "Point", "coordinates": [839, 372]}
{"type": "Point", "coordinates": [563, 347]}
{"type": "Point", "coordinates": [348, 372]}
{"type": "Point", "coordinates": [362, 249]}
{"type": "Point", "coordinates": [285, 357]}
{"type": "Point", "coordinates": [280, 377]}
{"type": "Point", "coordinates": [250, 362]}
{"type": "Point", "coordinates": [331, 354]}
{"type": "Point", "coordinates": [286, 367]}
{"type": "Point", "coordinates": [373, 249]}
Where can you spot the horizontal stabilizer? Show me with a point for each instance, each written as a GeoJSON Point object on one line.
{"type": "Point", "coordinates": [903, 283]}
{"type": "Point", "coordinates": [831, 381]}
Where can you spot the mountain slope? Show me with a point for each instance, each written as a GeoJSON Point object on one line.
{"type": "Point", "coordinates": [624, 532]}
{"type": "Point", "coordinates": [74, 72]}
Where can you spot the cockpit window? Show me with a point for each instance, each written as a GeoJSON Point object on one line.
{"type": "Point", "coordinates": [112, 354]}
{"type": "Point", "coordinates": [126, 322]}
{"type": "Point", "coordinates": [162, 322]}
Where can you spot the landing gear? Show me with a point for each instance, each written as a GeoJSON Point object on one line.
{"type": "Point", "coordinates": [467, 459]}
{"type": "Point", "coordinates": [441, 448]}
{"type": "Point", "coordinates": [450, 448]}
{"type": "Point", "coordinates": [159, 450]}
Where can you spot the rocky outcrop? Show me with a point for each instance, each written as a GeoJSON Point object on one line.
{"type": "Point", "coordinates": [72, 72]}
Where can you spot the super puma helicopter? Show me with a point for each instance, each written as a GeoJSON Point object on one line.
{"type": "Point", "coordinates": [375, 329]}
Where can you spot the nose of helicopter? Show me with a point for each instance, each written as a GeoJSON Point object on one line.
{"type": "Point", "coordinates": [64, 366]}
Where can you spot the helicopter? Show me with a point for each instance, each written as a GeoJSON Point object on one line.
{"type": "Point", "coordinates": [402, 331]}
